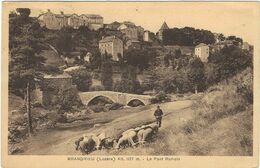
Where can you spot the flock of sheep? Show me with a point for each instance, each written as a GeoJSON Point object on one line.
{"type": "Point", "coordinates": [131, 137]}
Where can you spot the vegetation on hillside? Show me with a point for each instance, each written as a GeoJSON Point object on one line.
{"type": "Point", "coordinates": [107, 72]}
{"type": "Point", "coordinates": [26, 65]}
{"type": "Point", "coordinates": [179, 73]}
{"type": "Point", "coordinates": [187, 36]}
{"type": "Point", "coordinates": [82, 79]}
{"type": "Point", "coordinates": [223, 120]}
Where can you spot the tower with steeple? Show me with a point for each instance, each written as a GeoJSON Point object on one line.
{"type": "Point", "coordinates": [160, 32]}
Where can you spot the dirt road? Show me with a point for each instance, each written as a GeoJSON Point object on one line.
{"type": "Point", "coordinates": [61, 142]}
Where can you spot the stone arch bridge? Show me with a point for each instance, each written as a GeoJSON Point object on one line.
{"type": "Point", "coordinates": [117, 97]}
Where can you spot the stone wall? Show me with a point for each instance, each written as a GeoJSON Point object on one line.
{"type": "Point", "coordinates": [53, 86]}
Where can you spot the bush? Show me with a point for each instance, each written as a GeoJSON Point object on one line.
{"type": "Point", "coordinates": [160, 97]}
{"type": "Point", "coordinates": [67, 99]}
{"type": "Point", "coordinates": [97, 88]}
{"type": "Point", "coordinates": [82, 79]}
{"type": "Point", "coordinates": [128, 86]}
{"type": "Point", "coordinates": [244, 83]}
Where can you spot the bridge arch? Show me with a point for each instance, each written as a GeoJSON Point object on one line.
{"type": "Point", "coordinates": [96, 96]}
{"type": "Point", "coordinates": [117, 97]}
{"type": "Point", "coordinates": [131, 101]}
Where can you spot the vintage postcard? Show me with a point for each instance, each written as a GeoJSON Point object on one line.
{"type": "Point", "coordinates": [130, 84]}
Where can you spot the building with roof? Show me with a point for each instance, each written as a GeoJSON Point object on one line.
{"type": "Point", "coordinates": [53, 21]}
{"type": "Point", "coordinates": [75, 21]}
{"type": "Point", "coordinates": [160, 32]}
{"type": "Point", "coordinates": [92, 21]}
{"type": "Point", "coordinates": [57, 21]}
{"type": "Point", "coordinates": [111, 45]}
{"type": "Point", "coordinates": [202, 51]}
{"type": "Point", "coordinates": [113, 25]}
{"type": "Point", "coordinates": [129, 30]}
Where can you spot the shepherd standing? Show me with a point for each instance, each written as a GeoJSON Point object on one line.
{"type": "Point", "coordinates": [158, 115]}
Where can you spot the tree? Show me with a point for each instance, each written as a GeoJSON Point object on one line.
{"type": "Point", "coordinates": [82, 79]}
{"type": "Point", "coordinates": [221, 37]}
{"type": "Point", "coordinates": [106, 72]}
{"type": "Point", "coordinates": [140, 58]}
{"type": "Point", "coordinates": [187, 36]}
{"type": "Point", "coordinates": [26, 62]}
{"type": "Point", "coordinates": [230, 60]}
{"type": "Point", "coordinates": [95, 60]}
{"type": "Point", "coordinates": [196, 73]}
{"type": "Point", "coordinates": [64, 41]}
{"type": "Point", "coordinates": [236, 40]}
{"type": "Point", "coordinates": [128, 82]}
{"type": "Point", "coordinates": [212, 74]}
{"type": "Point", "coordinates": [151, 79]}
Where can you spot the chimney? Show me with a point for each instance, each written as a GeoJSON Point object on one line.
{"type": "Point", "coordinates": [61, 12]}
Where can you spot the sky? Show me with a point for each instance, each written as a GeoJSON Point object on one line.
{"type": "Point", "coordinates": [228, 18]}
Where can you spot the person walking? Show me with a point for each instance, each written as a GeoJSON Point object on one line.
{"type": "Point", "coordinates": [158, 115]}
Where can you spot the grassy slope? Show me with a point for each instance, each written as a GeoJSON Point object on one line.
{"type": "Point", "coordinates": [222, 123]}
{"type": "Point", "coordinates": [230, 136]}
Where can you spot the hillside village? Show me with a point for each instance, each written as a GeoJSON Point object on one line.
{"type": "Point", "coordinates": [133, 36]}
{"type": "Point", "coordinates": [72, 55]}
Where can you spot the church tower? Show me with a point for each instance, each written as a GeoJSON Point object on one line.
{"type": "Point", "coordinates": [160, 32]}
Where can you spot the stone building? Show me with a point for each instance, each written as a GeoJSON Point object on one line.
{"type": "Point", "coordinates": [160, 32]}
{"type": "Point", "coordinates": [75, 21]}
{"type": "Point", "coordinates": [93, 22]}
{"type": "Point", "coordinates": [53, 21]}
{"type": "Point", "coordinates": [57, 21]}
{"type": "Point", "coordinates": [147, 36]}
{"type": "Point", "coordinates": [111, 45]}
{"type": "Point", "coordinates": [129, 30]}
{"type": "Point", "coordinates": [202, 51]}
{"type": "Point", "coordinates": [113, 25]}
{"type": "Point", "coordinates": [51, 87]}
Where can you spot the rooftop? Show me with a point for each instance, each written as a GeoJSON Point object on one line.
{"type": "Point", "coordinates": [92, 15]}
{"type": "Point", "coordinates": [128, 24]}
{"type": "Point", "coordinates": [68, 15]}
{"type": "Point", "coordinates": [164, 26]}
{"type": "Point", "coordinates": [201, 45]}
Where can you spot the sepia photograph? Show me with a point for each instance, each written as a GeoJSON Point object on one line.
{"type": "Point", "coordinates": [130, 79]}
